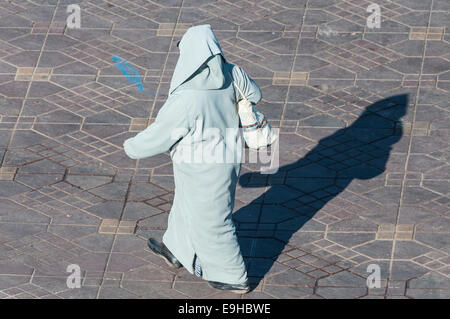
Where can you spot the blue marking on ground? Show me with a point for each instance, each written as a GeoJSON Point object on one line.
{"type": "Point", "coordinates": [130, 72]}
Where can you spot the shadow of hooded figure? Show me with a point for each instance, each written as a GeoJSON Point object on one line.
{"type": "Point", "coordinates": [359, 151]}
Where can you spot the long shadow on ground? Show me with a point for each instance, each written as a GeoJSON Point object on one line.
{"type": "Point", "coordinates": [359, 151]}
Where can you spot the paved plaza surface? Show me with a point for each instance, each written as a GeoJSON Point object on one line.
{"type": "Point", "coordinates": [364, 147]}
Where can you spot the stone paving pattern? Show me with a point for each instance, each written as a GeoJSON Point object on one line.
{"type": "Point", "coordinates": [364, 147]}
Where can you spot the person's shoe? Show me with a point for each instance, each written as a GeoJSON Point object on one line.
{"type": "Point", "coordinates": [236, 288]}
{"type": "Point", "coordinates": [161, 250]}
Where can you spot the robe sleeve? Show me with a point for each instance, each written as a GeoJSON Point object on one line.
{"type": "Point", "coordinates": [247, 85]}
{"type": "Point", "coordinates": [171, 124]}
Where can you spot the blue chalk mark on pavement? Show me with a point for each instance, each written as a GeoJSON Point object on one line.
{"type": "Point", "coordinates": [130, 72]}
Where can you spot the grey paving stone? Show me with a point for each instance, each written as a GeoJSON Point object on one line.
{"type": "Point", "coordinates": [425, 144]}
{"type": "Point", "coordinates": [388, 39]}
{"type": "Point", "coordinates": [15, 21]}
{"type": "Point", "coordinates": [13, 90]}
{"type": "Point", "coordinates": [428, 293]}
{"type": "Point", "coordinates": [96, 242]}
{"type": "Point", "coordinates": [431, 280]}
{"type": "Point", "coordinates": [135, 211]}
{"type": "Point", "coordinates": [158, 221]}
{"type": "Point", "coordinates": [104, 131]}
{"type": "Point", "coordinates": [144, 191]}
{"type": "Point", "coordinates": [112, 191]}
{"type": "Point", "coordinates": [437, 49]}
{"type": "Point", "coordinates": [59, 116]}
{"type": "Point", "coordinates": [53, 59]}
{"type": "Point", "coordinates": [353, 224]}
{"type": "Point", "coordinates": [409, 250]}
{"type": "Point", "coordinates": [405, 270]}
{"type": "Point", "coordinates": [7, 281]}
{"type": "Point", "coordinates": [152, 290]}
{"type": "Point", "coordinates": [87, 182]}
{"type": "Point", "coordinates": [55, 130]}
{"type": "Point", "coordinates": [38, 180]}
{"type": "Point", "coordinates": [14, 268]}
{"type": "Point", "coordinates": [350, 239]}
{"type": "Point", "coordinates": [76, 218]}
{"type": "Point", "coordinates": [81, 293]}
{"type": "Point", "coordinates": [342, 279]}
{"type": "Point", "coordinates": [43, 166]}
{"type": "Point", "coordinates": [129, 244]}
{"type": "Point", "coordinates": [9, 188]}
{"type": "Point", "coordinates": [386, 195]}
{"type": "Point", "coordinates": [427, 96]}
{"type": "Point", "coordinates": [29, 42]}
{"type": "Point", "coordinates": [341, 293]}
{"type": "Point", "coordinates": [75, 68]}
{"type": "Point", "coordinates": [92, 167]}
{"type": "Point", "coordinates": [7, 68]}
{"type": "Point", "coordinates": [40, 13]}
{"type": "Point", "coordinates": [303, 238]}
{"type": "Point", "coordinates": [414, 195]}
{"type": "Point", "coordinates": [435, 65]}
{"type": "Point", "coordinates": [407, 65]}
{"type": "Point", "coordinates": [73, 231]}
{"type": "Point", "coordinates": [137, 23]}
{"type": "Point", "coordinates": [323, 120]}
{"type": "Point", "coordinates": [43, 89]}
{"type": "Point", "coordinates": [439, 240]}
{"type": "Point", "coordinates": [290, 292]}
{"type": "Point", "coordinates": [116, 293]}
{"type": "Point", "coordinates": [124, 262]}
{"type": "Point", "coordinates": [107, 209]}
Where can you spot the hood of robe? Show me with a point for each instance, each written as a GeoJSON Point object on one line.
{"type": "Point", "coordinates": [201, 61]}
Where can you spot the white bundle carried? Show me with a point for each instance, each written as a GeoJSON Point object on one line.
{"type": "Point", "coordinates": [256, 131]}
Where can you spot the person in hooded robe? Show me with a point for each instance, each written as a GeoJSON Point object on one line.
{"type": "Point", "coordinates": [199, 125]}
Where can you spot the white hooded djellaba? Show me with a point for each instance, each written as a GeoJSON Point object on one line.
{"type": "Point", "coordinates": [201, 99]}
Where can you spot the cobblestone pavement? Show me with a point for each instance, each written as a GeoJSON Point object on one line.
{"type": "Point", "coordinates": [364, 147]}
